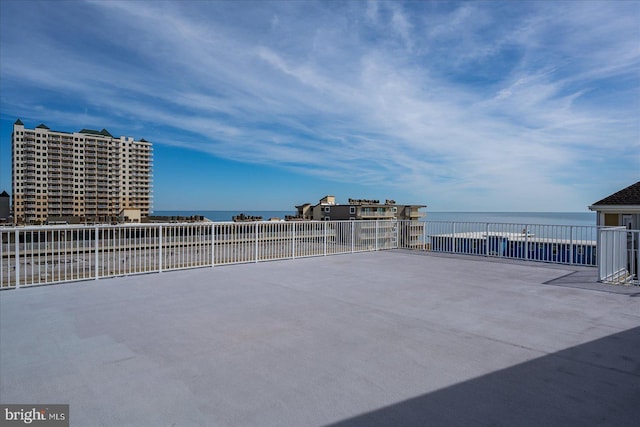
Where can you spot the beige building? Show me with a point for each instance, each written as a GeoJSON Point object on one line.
{"type": "Point", "coordinates": [408, 233]}
{"type": "Point", "coordinates": [328, 210]}
{"type": "Point", "coordinates": [83, 176]}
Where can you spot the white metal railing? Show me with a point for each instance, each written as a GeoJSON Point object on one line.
{"type": "Point", "coordinates": [564, 244]}
{"type": "Point", "coordinates": [37, 255]}
{"type": "Point", "coordinates": [51, 254]}
{"type": "Point", "coordinates": [619, 256]}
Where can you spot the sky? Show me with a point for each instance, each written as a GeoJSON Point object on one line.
{"type": "Point", "coordinates": [460, 106]}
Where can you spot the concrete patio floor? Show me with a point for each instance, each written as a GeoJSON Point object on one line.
{"type": "Point", "coordinates": [370, 339]}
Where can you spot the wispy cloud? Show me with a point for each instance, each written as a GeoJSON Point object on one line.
{"type": "Point", "coordinates": [489, 104]}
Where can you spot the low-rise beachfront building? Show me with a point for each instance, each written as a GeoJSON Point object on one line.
{"type": "Point", "coordinates": [409, 231]}
{"type": "Point", "coordinates": [82, 176]}
{"type": "Point", "coordinates": [622, 208]}
{"type": "Point", "coordinates": [357, 209]}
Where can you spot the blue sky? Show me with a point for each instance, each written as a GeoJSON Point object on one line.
{"type": "Point", "coordinates": [462, 106]}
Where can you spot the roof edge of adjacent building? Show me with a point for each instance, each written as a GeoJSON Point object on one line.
{"type": "Point", "coordinates": [629, 196]}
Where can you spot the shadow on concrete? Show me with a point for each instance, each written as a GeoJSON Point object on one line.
{"type": "Point", "coordinates": [597, 383]}
{"type": "Point", "coordinates": [588, 279]}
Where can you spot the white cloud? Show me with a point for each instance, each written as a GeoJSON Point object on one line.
{"type": "Point", "coordinates": [467, 100]}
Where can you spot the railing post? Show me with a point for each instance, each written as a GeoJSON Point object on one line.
{"type": "Point", "coordinates": [571, 245]}
{"type": "Point", "coordinates": [160, 253]}
{"type": "Point", "coordinates": [325, 237]}
{"type": "Point", "coordinates": [424, 235]}
{"type": "Point", "coordinates": [376, 235]}
{"type": "Point", "coordinates": [526, 242]}
{"type": "Point", "coordinates": [454, 239]}
{"type": "Point", "coordinates": [96, 257]}
{"type": "Point", "coordinates": [353, 229]}
{"type": "Point", "coordinates": [293, 240]}
{"type": "Point", "coordinates": [487, 239]}
{"type": "Point", "coordinates": [598, 252]}
{"type": "Point", "coordinates": [213, 244]}
{"type": "Point", "coordinates": [256, 242]}
{"type": "Point", "coordinates": [17, 255]}
{"type": "Point", "coordinates": [636, 239]}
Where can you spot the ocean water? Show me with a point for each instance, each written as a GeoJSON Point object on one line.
{"type": "Point", "coordinates": [533, 218]}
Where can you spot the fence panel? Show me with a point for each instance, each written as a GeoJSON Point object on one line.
{"type": "Point", "coordinates": [364, 235]}
{"type": "Point", "coordinates": [338, 237]}
{"type": "Point", "coordinates": [234, 243]}
{"type": "Point", "coordinates": [7, 259]}
{"type": "Point", "coordinates": [619, 255]}
{"type": "Point", "coordinates": [575, 245]}
{"type": "Point", "coordinates": [185, 246]}
{"type": "Point", "coordinates": [274, 241]}
{"type": "Point", "coordinates": [127, 249]}
{"type": "Point", "coordinates": [411, 234]}
{"type": "Point", "coordinates": [38, 255]}
{"type": "Point", "coordinates": [309, 238]}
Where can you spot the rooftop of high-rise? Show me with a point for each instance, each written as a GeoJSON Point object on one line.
{"type": "Point", "coordinates": [366, 339]}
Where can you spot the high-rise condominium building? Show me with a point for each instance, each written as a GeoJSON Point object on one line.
{"type": "Point", "coordinates": [87, 175]}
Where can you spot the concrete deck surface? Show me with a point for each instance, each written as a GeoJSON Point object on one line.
{"type": "Point", "coordinates": [371, 339]}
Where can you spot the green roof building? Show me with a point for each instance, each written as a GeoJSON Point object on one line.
{"type": "Point", "coordinates": [83, 176]}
